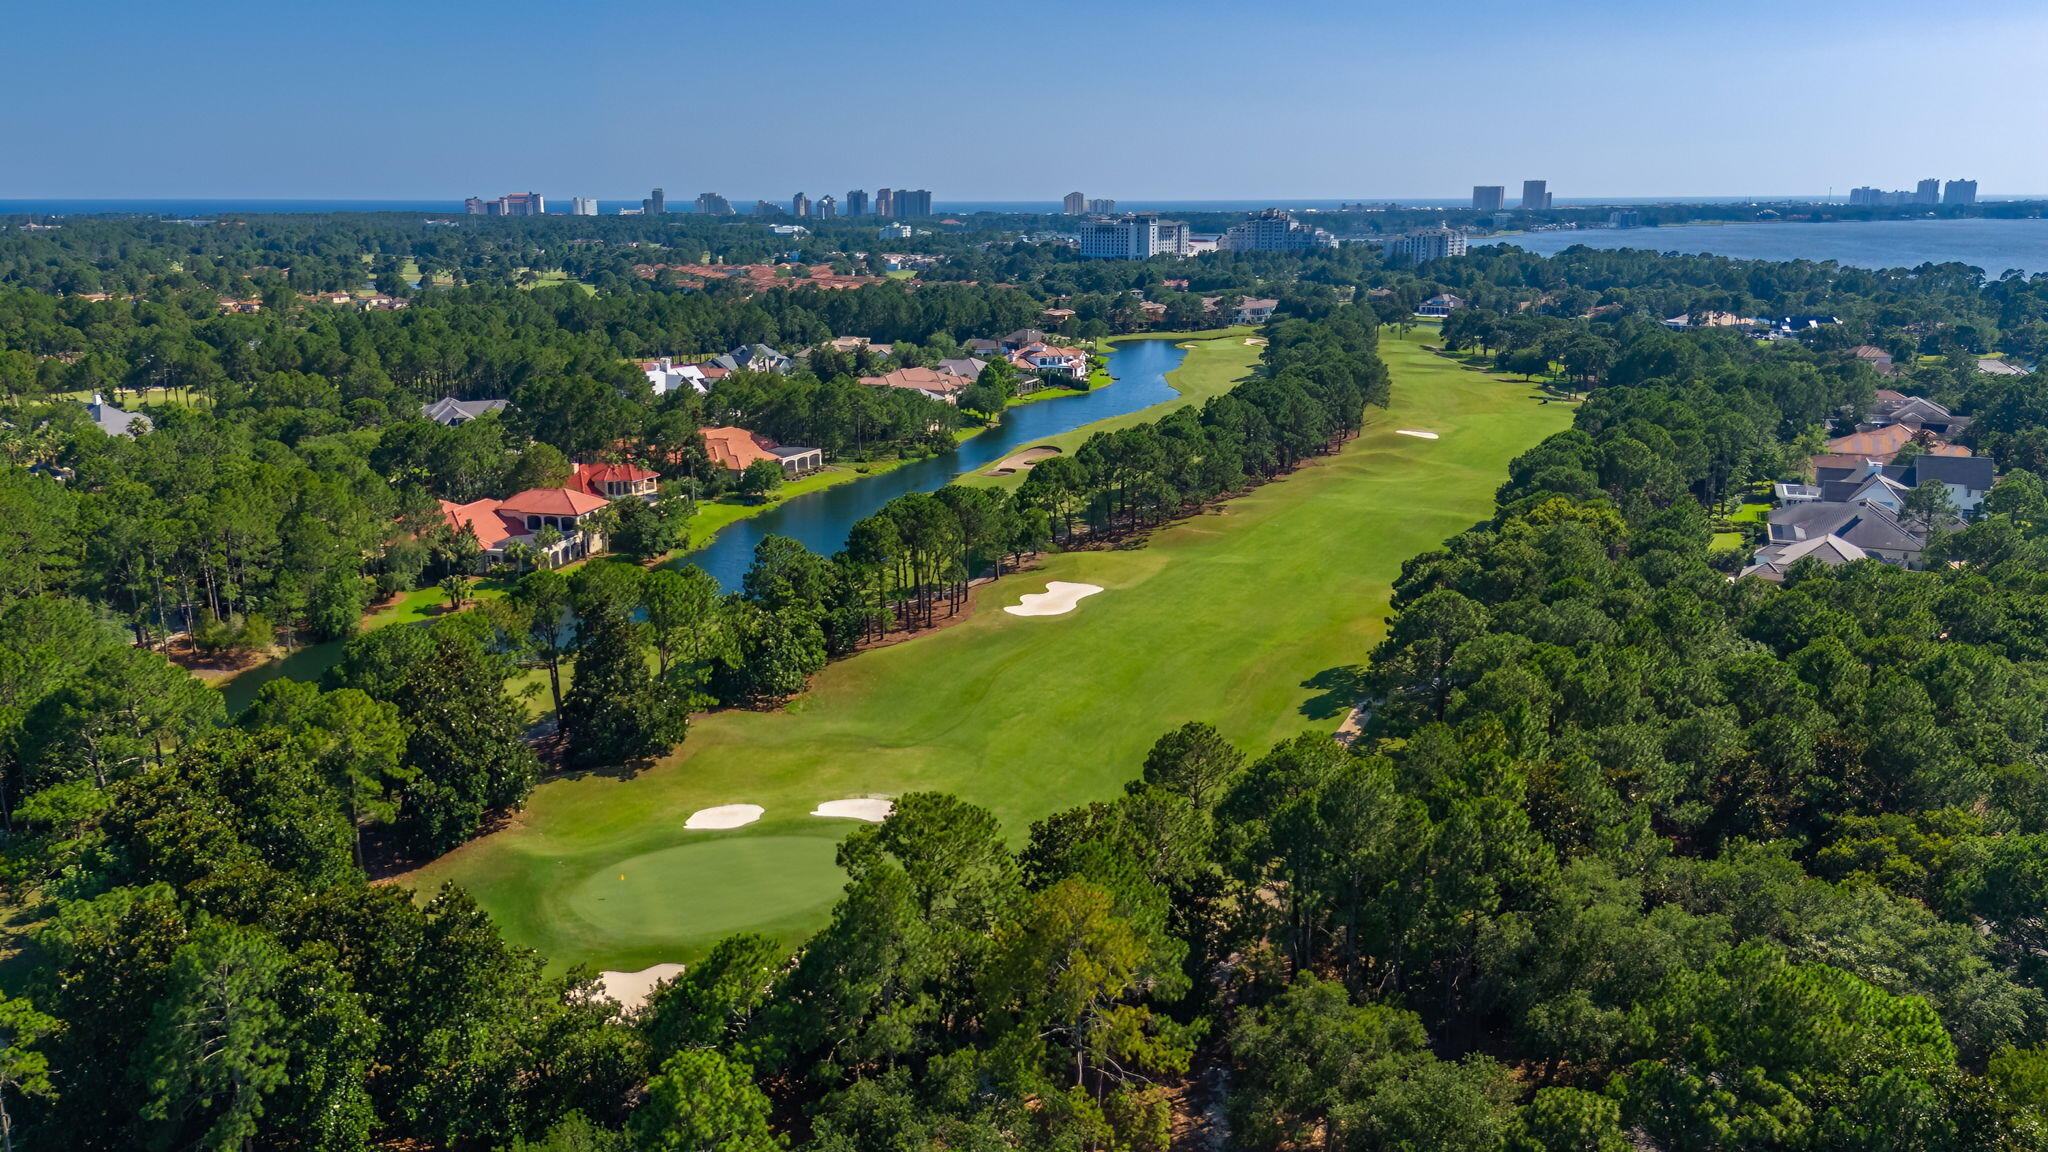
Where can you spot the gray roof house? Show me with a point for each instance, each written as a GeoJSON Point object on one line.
{"type": "Point", "coordinates": [970, 367]}
{"type": "Point", "coordinates": [115, 422]}
{"type": "Point", "coordinates": [452, 412]}
{"type": "Point", "coordinates": [1969, 478]}
{"type": "Point", "coordinates": [1870, 527]}
{"type": "Point", "coordinates": [755, 358]}
{"type": "Point", "coordinates": [1774, 560]}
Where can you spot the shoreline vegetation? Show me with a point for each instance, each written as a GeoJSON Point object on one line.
{"type": "Point", "coordinates": [421, 605]}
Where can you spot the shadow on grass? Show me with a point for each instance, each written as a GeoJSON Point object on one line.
{"type": "Point", "coordinates": [1338, 689]}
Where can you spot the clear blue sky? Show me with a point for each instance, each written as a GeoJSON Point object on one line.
{"type": "Point", "coordinates": [986, 101]}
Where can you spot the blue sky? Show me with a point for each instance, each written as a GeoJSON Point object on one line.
{"type": "Point", "coordinates": [986, 101]}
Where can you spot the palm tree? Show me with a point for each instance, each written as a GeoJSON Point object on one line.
{"type": "Point", "coordinates": [545, 541]}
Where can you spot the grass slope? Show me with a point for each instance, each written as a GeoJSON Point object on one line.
{"type": "Point", "coordinates": [1253, 618]}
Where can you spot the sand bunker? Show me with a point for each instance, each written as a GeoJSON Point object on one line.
{"type": "Point", "coordinates": [1058, 599]}
{"type": "Point", "coordinates": [723, 816]}
{"type": "Point", "coordinates": [631, 989]}
{"type": "Point", "coordinates": [1413, 432]}
{"type": "Point", "coordinates": [867, 808]}
{"type": "Point", "coordinates": [1255, 341]}
{"type": "Point", "coordinates": [1020, 461]}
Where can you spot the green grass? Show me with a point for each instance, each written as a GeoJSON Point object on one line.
{"type": "Point", "coordinates": [1254, 618]}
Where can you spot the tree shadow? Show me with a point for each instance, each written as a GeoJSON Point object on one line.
{"type": "Point", "coordinates": [1338, 691]}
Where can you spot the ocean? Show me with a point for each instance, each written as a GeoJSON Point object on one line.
{"type": "Point", "coordinates": [1991, 245]}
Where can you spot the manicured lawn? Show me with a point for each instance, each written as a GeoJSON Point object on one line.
{"type": "Point", "coordinates": [1253, 618]}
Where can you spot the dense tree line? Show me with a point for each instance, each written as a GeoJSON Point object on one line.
{"type": "Point", "coordinates": [1627, 854]}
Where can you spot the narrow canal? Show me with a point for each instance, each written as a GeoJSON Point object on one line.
{"type": "Point", "coordinates": [821, 520]}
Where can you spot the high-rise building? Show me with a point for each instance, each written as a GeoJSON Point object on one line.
{"type": "Point", "coordinates": [768, 208]}
{"type": "Point", "coordinates": [885, 202]}
{"type": "Point", "coordinates": [857, 202]}
{"type": "Point", "coordinates": [1928, 192]}
{"type": "Point", "coordinates": [712, 204]}
{"type": "Point", "coordinates": [1959, 192]}
{"type": "Point", "coordinates": [1103, 207]}
{"type": "Point", "coordinates": [799, 205]}
{"type": "Point", "coordinates": [1489, 197]}
{"type": "Point", "coordinates": [913, 202]}
{"type": "Point", "coordinates": [1274, 231]}
{"type": "Point", "coordinates": [516, 204]}
{"type": "Point", "coordinates": [1133, 238]}
{"type": "Point", "coordinates": [654, 205]}
{"type": "Point", "coordinates": [1535, 195]}
{"type": "Point", "coordinates": [1428, 244]}
{"type": "Point", "coordinates": [1074, 204]}
{"type": "Point", "coordinates": [1173, 238]}
{"type": "Point", "coordinates": [826, 208]}
{"type": "Point", "coordinates": [1624, 218]}
{"type": "Point", "coordinates": [582, 206]}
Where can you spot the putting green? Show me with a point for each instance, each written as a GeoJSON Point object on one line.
{"type": "Point", "coordinates": [1254, 618]}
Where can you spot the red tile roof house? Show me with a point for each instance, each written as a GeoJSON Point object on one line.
{"type": "Point", "coordinates": [518, 519]}
{"type": "Point", "coordinates": [942, 386]}
{"type": "Point", "coordinates": [734, 448]}
{"type": "Point", "coordinates": [615, 481]}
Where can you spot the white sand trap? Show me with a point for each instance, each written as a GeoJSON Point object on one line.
{"type": "Point", "coordinates": [1058, 599]}
{"type": "Point", "coordinates": [1413, 432]}
{"type": "Point", "coordinates": [631, 989]}
{"type": "Point", "coordinates": [723, 816]}
{"type": "Point", "coordinates": [866, 808]}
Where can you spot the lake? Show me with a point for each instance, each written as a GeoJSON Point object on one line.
{"type": "Point", "coordinates": [821, 520]}
{"type": "Point", "coordinates": [1992, 245]}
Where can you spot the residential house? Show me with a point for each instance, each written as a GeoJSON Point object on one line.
{"type": "Point", "coordinates": [452, 412]}
{"type": "Point", "coordinates": [933, 383]}
{"type": "Point", "coordinates": [981, 346]}
{"type": "Point", "coordinates": [1915, 412]}
{"type": "Point", "coordinates": [115, 422]}
{"type": "Point", "coordinates": [734, 448]}
{"type": "Point", "coordinates": [1021, 338]}
{"type": "Point", "coordinates": [1874, 356]}
{"type": "Point", "coordinates": [754, 358]}
{"type": "Point", "coordinates": [1871, 527]}
{"type": "Point", "coordinates": [666, 376]}
{"type": "Point", "coordinates": [615, 481]}
{"type": "Point", "coordinates": [1250, 311]}
{"type": "Point", "coordinates": [968, 366]}
{"type": "Point", "coordinates": [1441, 304]}
{"type": "Point", "coordinates": [518, 519]}
{"type": "Point", "coordinates": [1059, 316]}
{"type": "Point", "coordinates": [2000, 368]}
{"type": "Point", "coordinates": [1774, 560]}
{"type": "Point", "coordinates": [1051, 359]}
{"type": "Point", "coordinates": [1968, 478]}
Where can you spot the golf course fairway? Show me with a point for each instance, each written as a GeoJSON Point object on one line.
{"type": "Point", "coordinates": [1248, 618]}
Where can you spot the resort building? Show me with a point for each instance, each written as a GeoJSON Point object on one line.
{"type": "Point", "coordinates": [1074, 205]}
{"type": "Point", "coordinates": [1535, 195]}
{"type": "Point", "coordinates": [1274, 231]}
{"type": "Point", "coordinates": [1136, 237]}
